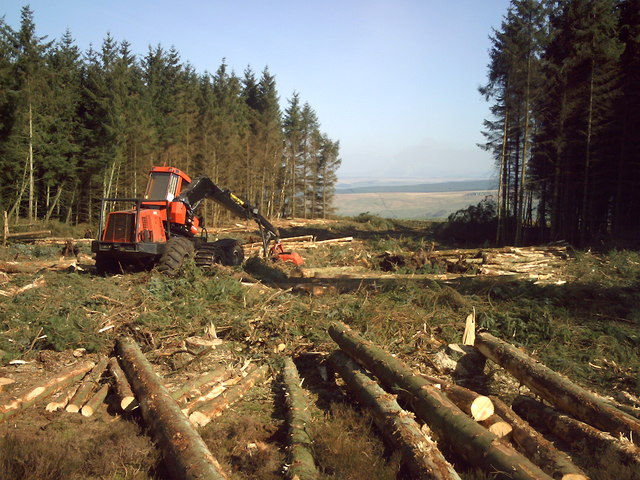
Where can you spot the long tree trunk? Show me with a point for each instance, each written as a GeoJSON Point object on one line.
{"type": "Point", "coordinates": [419, 452]}
{"type": "Point", "coordinates": [502, 185]}
{"type": "Point", "coordinates": [31, 181]}
{"type": "Point", "coordinates": [604, 449]}
{"type": "Point", "coordinates": [301, 463]}
{"type": "Point", "coordinates": [470, 440]}
{"type": "Point", "coordinates": [186, 454]}
{"type": "Point", "coordinates": [537, 448]}
{"type": "Point", "coordinates": [587, 160]}
{"type": "Point", "coordinates": [557, 389]}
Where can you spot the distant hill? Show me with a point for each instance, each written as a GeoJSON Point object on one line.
{"type": "Point", "coordinates": [456, 186]}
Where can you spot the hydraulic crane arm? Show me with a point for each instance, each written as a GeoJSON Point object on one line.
{"type": "Point", "coordinates": [202, 188]}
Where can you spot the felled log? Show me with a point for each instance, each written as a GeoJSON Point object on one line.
{"type": "Point", "coordinates": [86, 388]}
{"type": "Point", "coordinates": [36, 266]}
{"type": "Point", "coordinates": [478, 406]}
{"type": "Point", "coordinates": [335, 240]}
{"type": "Point", "coordinates": [477, 445]}
{"type": "Point", "coordinates": [419, 452]}
{"type": "Point", "coordinates": [215, 407]}
{"type": "Point", "coordinates": [537, 448]}
{"type": "Point", "coordinates": [49, 387]}
{"type": "Point", "coordinates": [187, 456]}
{"type": "Point", "coordinates": [557, 389]}
{"type": "Point", "coordinates": [600, 446]}
{"type": "Point", "coordinates": [61, 402]}
{"type": "Point", "coordinates": [27, 235]}
{"type": "Point", "coordinates": [300, 459]}
{"type": "Point", "coordinates": [498, 426]}
{"type": "Point", "coordinates": [95, 402]}
{"type": "Point", "coordinates": [216, 375]}
{"type": "Point", "coordinates": [209, 395]}
{"type": "Point", "coordinates": [127, 399]}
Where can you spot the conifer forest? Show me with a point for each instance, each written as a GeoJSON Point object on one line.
{"type": "Point", "coordinates": [79, 126]}
{"type": "Point", "coordinates": [564, 86]}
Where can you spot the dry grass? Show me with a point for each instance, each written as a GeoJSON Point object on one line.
{"type": "Point", "coordinates": [76, 449]}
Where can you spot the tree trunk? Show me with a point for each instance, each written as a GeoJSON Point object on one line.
{"type": "Point", "coordinates": [470, 440]}
{"type": "Point", "coordinates": [51, 386]}
{"type": "Point", "coordinates": [31, 181]}
{"type": "Point", "coordinates": [55, 202]}
{"type": "Point", "coordinates": [214, 408]}
{"type": "Point", "coordinates": [557, 389]}
{"type": "Point", "coordinates": [88, 385]}
{"type": "Point", "coordinates": [187, 456]}
{"type": "Point", "coordinates": [95, 402]}
{"type": "Point", "coordinates": [502, 185]}
{"type": "Point", "coordinates": [300, 459]}
{"type": "Point", "coordinates": [537, 448]}
{"type": "Point", "coordinates": [419, 452]}
{"type": "Point", "coordinates": [601, 447]}
{"type": "Point", "coordinates": [127, 399]}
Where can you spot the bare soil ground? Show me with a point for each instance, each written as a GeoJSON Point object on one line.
{"type": "Point", "coordinates": [575, 311]}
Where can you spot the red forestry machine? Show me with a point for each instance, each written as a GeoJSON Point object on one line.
{"type": "Point", "coordinates": [162, 229]}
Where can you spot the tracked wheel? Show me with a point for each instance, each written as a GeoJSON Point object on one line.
{"type": "Point", "coordinates": [207, 256]}
{"type": "Point", "coordinates": [178, 249]}
{"type": "Point", "coordinates": [226, 251]}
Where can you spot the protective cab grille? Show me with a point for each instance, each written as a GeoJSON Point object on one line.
{"type": "Point", "coordinates": [119, 227]}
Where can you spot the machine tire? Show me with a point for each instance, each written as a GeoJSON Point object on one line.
{"type": "Point", "coordinates": [178, 249]}
{"type": "Point", "coordinates": [233, 255]}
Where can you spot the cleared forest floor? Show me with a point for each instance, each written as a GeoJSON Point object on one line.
{"type": "Point", "coordinates": [576, 312]}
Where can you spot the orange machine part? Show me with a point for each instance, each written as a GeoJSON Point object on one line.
{"type": "Point", "coordinates": [178, 212]}
{"type": "Point", "coordinates": [151, 228]}
{"type": "Point", "coordinates": [278, 254]}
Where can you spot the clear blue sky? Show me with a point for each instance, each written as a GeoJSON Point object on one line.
{"type": "Point", "coordinates": [394, 81]}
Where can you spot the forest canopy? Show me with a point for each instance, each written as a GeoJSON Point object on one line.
{"type": "Point", "coordinates": [78, 126]}
{"type": "Point", "coordinates": [564, 85]}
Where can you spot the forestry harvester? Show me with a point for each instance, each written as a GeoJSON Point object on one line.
{"type": "Point", "coordinates": [162, 229]}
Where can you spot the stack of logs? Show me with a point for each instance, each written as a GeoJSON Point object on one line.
{"type": "Point", "coordinates": [298, 243]}
{"type": "Point", "coordinates": [485, 431]}
{"type": "Point", "coordinates": [131, 377]}
{"type": "Point", "coordinates": [537, 262]}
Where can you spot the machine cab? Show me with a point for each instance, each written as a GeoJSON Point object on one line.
{"type": "Point", "coordinates": [165, 183]}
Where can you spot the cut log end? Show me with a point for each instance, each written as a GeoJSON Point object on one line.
{"type": "Point", "coordinates": [574, 476]}
{"type": "Point", "coordinates": [500, 429]}
{"type": "Point", "coordinates": [128, 403]}
{"type": "Point", "coordinates": [71, 408]}
{"type": "Point", "coordinates": [199, 419]}
{"type": "Point", "coordinates": [481, 408]}
{"type": "Point", "coordinates": [87, 411]}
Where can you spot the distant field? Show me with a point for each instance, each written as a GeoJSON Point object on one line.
{"type": "Point", "coordinates": [408, 205]}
